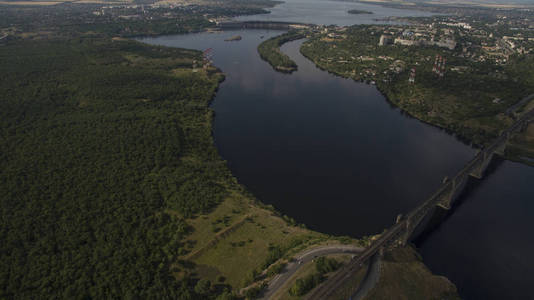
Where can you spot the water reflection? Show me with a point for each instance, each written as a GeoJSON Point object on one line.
{"type": "Point", "coordinates": [328, 151]}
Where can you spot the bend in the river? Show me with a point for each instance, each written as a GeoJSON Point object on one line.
{"type": "Point", "coordinates": [335, 155]}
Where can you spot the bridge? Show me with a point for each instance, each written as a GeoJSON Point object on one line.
{"type": "Point", "coordinates": [261, 25]}
{"type": "Point", "coordinates": [405, 226]}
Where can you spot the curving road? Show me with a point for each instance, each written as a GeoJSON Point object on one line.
{"type": "Point", "coordinates": [279, 280]}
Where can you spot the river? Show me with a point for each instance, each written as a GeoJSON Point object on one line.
{"type": "Point", "coordinates": [328, 12]}
{"type": "Point", "coordinates": [335, 155]}
{"type": "Point", "coordinates": [485, 244]}
{"type": "Point", "coordinates": [330, 152]}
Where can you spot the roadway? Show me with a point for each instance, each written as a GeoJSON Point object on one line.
{"type": "Point", "coordinates": [523, 101]}
{"type": "Point", "coordinates": [300, 260]}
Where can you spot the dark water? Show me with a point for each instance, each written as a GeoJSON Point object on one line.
{"type": "Point", "coordinates": [331, 12]}
{"type": "Point", "coordinates": [329, 152]}
{"type": "Point", "coordinates": [485, 245]}
{"type": "Point", "coordinates": [334, 155]}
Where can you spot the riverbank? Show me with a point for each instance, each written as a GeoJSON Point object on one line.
{"type": "Point", "coordinates": [221, 256]}
{"type": "Point", "coordinates": [448, 291]}
{"type": "Point", "coordinates": [403, 275]}
{"type": "Point", "coordinates": [463, 104]}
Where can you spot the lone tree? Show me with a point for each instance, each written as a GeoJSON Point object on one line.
{"type": "Point", "coordinates": [203, 286]}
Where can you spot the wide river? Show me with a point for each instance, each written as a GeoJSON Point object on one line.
{"type": "Point", "coordinates": [335, 155]}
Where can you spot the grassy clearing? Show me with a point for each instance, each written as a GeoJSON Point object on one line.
{"type": "Point", "coordinates": [207, 227]}
{"type": "Point", "coordinates": [233, 240]}
{"type": "Point", "coordinates": [404, 276]}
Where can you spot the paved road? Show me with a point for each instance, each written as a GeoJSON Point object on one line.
{"type": "Point", "coordinates": [514, 107]}
{"type": "Point", "coordinates": [278, 281]}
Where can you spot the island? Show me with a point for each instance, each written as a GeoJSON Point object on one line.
{"type": "Point", "coordinates": [359, 12]}
{"type": "Point", "coordinates": [233, 38]}
{"type": "Point", "coordinates": [269, 51]}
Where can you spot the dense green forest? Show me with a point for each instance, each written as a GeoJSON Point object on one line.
{"type": "Point", "coordinates": [105, 148]}
{"type": "Point", "coordinates": [269, 51]}
{"type": "Point", "coordinates": [109, 176]}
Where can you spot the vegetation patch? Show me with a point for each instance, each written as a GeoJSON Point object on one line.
{"type": "Point", "coordinates": [323, 266]}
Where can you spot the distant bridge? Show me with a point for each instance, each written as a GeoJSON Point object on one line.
{"type": "Point", "coordinates": [404, 228]}
{"type": "Point", "coordinates": [261, 25]}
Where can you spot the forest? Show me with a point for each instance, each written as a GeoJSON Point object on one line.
{"type": "Point", "coordinates": [111, 185]}
{"type": "Point", "coordinates": [101, 140]}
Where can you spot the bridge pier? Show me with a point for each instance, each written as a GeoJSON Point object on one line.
{"type": "Point", "coordinates": [479, 171]}
{"type": "Point", "coordinates": [500, 150]}
{"type": "Point", "coordinates": [381, 251]}
{"type": "Point", "coordinates": [407, 233]}
{"type": "Point", "coordinates": [411, 224]}
{"type": "Point", "coordinates": [457, 186]}
{"type": "Point", "coordinates": [524, 125]}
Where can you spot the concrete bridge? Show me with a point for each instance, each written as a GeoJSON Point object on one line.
{"type": "Point", "coordinates": [405, 226]}
{"type": "Point", "coordinates": [261, 25]}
